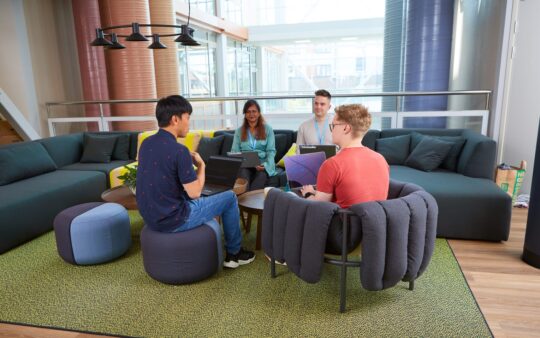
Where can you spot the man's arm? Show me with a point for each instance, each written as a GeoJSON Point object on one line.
{"type": "Point", "coordinates": [194, 189]}
{"type": "Point", "coordinates": [311, 194]}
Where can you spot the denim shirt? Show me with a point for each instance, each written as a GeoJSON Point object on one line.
{"type": "Point", "coordinates": [266, 149]}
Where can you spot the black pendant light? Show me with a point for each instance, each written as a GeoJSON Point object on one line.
{"type": "Point", "coordinates": [136, 34]}
{"type": "Point", "coordinates": [115, 43]}
{"type": "Point", "coordinates": [100, 39]}
{"type": "Point", "coordinates": [156, 44]}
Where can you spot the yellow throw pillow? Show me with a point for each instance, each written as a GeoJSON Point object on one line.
{"type": "Point", "coordinates": [113, 175]}
{"type": "Point", "coordinates": [192, 139]}
{"type": "Point", "coordinates": [141, 137]}
{"type": "Point", "coordinates": [290, 152]}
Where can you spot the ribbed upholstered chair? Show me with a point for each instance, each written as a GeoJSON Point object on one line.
{"type": "Point", "coordinates": [397, 236]}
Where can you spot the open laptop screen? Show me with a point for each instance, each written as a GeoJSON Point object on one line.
{"type": "Point", "coordinates": [222, 170]}
{"type": "Point", "coordinates": [303, 169]}
{"type": "Point", "coordinates": [328, 149]}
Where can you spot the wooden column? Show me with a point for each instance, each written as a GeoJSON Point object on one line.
{"type": "Point", "coordinates": [91, 59]}
{"type": "Point", "coordinates": [165, 60]}
{"type": "Point", "coordinates": [130, 70]}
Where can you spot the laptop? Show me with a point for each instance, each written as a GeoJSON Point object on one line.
{"type": "Point", "coordinates": [328, 149]}
{"type": "Point", "coordinates": [250, 158]}
{"type": "Point", "coordinates": [303, 169]}
{"type": "Point", "coordinates": [221, 173]}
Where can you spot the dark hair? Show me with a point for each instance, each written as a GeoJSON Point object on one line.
{"type": "Point", "coordinates": [169, 106]}
{"type": "Point", "coordinates": [260, 132]}
{"type": "Point", "coordinates": [323, 92]}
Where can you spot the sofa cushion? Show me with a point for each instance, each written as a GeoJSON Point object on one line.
{"type": "Point", "coordinates": [394, 149]}
{"type": "Point", "coordinates": [64, 149]}
{"type": "Point", "coordinates": [29, 206]}
{"type": "Point", "coordinates": [105, 168]}
{"type": "Point", "coordinates": [121, 148]}
{"type": "Point", "coordinates": [428, 154]}
{"type": "Point", "coordinates": [98, 148]}
{"type": "Point", "coordinates": [24, 160]}
{"type": "Point", "coordinates": [290, 152]}
{"type": "Point", "coordinates": [463, 202]}
{"type": "Point", "coordinates": [369, 140]}
{"type": "Point", "coordinates": [451, 159]}
{"type": "Point", "coordinates": [227, 143]}
{"type": "Point", "coordinates": [281, 145]}
{"type": "Point", "coordinates": [210, 146]}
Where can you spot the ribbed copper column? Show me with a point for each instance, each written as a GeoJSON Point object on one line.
{"type": "Point", "coordinates": [165, 60]}
{"type": "Point", "coordinates": [91, 59]}
{"type": "Point", "coordinates": [130, 70]}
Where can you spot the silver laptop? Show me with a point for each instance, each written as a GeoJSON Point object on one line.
{"type": "Point", "coordinates": [250, 159]}
{"type": "Point", "coordinates": [221, 173]}
{"type": "Point", "coordinates": [328, 149]}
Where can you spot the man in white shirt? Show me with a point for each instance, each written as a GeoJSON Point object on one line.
{"type": "Point", "coordinates": [316, 130]}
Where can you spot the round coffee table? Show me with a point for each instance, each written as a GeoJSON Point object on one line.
{"type": "Point", "coordinates": [121, 195]}
{"type": "Point", "coordinates": [252, 203]}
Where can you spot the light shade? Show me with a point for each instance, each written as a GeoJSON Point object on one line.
{"type": "Point", "coordinates": [115, 44]}
{"type": "Point", "coordinates": [186, 36]}
{"type": "Point", "coordinates": [136, 35]}
{"type": "Point", "coordinates": [156, 44]}
{"type": "Point", "coordinates": [100, 39]}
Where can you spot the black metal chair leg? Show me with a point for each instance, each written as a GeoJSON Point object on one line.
{"type": "Point", "coordinates": [411, 285]}
{"type": "Point", "coordinates": [343, 277]}
{"type": "Point", "coordinates": [273, 267]}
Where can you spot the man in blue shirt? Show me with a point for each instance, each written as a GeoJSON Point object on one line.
{"type": "Point", "coordinates": [169, 189]}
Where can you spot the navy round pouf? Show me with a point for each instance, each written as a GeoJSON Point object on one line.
{"type": "Point", "coordinates": [181, 257]}
{"type": "Point", "coordinates": [92, 233]}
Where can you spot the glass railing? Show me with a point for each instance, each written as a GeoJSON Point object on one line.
{"type": "Point", "coordinates": [280, 111]}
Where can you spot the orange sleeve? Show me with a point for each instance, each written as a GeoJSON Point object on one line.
{"type": "Point", "coordinates": [327, 177]}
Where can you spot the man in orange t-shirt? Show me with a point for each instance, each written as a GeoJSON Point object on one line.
{"type": "Point", "coordinates": [356, 174]}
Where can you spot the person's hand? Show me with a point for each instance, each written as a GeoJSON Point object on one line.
{"type": "Point", "coordinates": [259, 167]}
{"type": "Point", "coordinates": [197, 159]}
{"type": "Point", "coordinates": [307, 189]}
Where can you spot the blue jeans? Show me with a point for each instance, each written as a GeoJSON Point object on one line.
{"type": "Point", "coordinates": [224, 204]}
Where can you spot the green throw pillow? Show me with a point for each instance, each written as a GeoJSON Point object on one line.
{"type": "Point", "coordinates": [24, 160]}
{"type": "Point", "coordinates": [394, 149]}
{"type": "Point", "coordinates": [98, 148]}
{"type": "Point", "coordinates": [451, 160]}
{"type": "Point", "coordinates": [428, 154]}
{"type": "Point", "coordinates": [210, 146]}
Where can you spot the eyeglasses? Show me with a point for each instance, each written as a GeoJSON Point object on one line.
{"type": "Point", "coordinates": [333, 125]}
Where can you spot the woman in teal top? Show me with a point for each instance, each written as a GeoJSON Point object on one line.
{"type": "Point", "coordinates": [256, 135]}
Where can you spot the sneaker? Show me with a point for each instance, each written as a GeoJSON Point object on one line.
{"type": "Point", "coordinates": [277, 262]}
{"type": "Point", "coordinates": [241, 258]}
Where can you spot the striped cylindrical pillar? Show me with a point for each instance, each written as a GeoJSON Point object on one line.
{"type": "Point", "coordinates": [165, 60]}
{"type": "Point", "coordinates": [130, 70]}
{"type": "Point", "coordinates": [91, 59]}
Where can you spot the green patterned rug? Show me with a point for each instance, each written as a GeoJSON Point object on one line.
{"type": "Point", "coordinates": [38, 288]}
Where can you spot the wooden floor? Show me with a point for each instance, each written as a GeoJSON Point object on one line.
{"type": "Point", "coordinates": [507, 289]}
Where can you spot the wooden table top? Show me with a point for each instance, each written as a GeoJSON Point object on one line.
{"type": "Point", "coordinates": [121, 195]}
{"type": "Point", "coordinates": [252, 199]}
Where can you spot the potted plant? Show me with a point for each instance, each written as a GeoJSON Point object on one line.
{"type": "Point", "coordinates": [130, 177]}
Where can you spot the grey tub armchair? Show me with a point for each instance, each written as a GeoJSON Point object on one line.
{"type": "Point", "coordinates": [398, 236]}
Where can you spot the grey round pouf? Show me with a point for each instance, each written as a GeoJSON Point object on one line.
{"type": "Point", "coordinates": [181, 257]}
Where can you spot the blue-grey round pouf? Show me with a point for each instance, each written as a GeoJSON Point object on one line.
{"type": "Point", "coordinates": [92, 233]}
{"type": "Point", "coordinates": [181, 257]}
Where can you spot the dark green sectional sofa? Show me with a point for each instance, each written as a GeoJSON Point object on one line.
{"type": "Point", "coordinates": [39, 179]}
{"type": "Point", "coordinates": [471, 205]}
